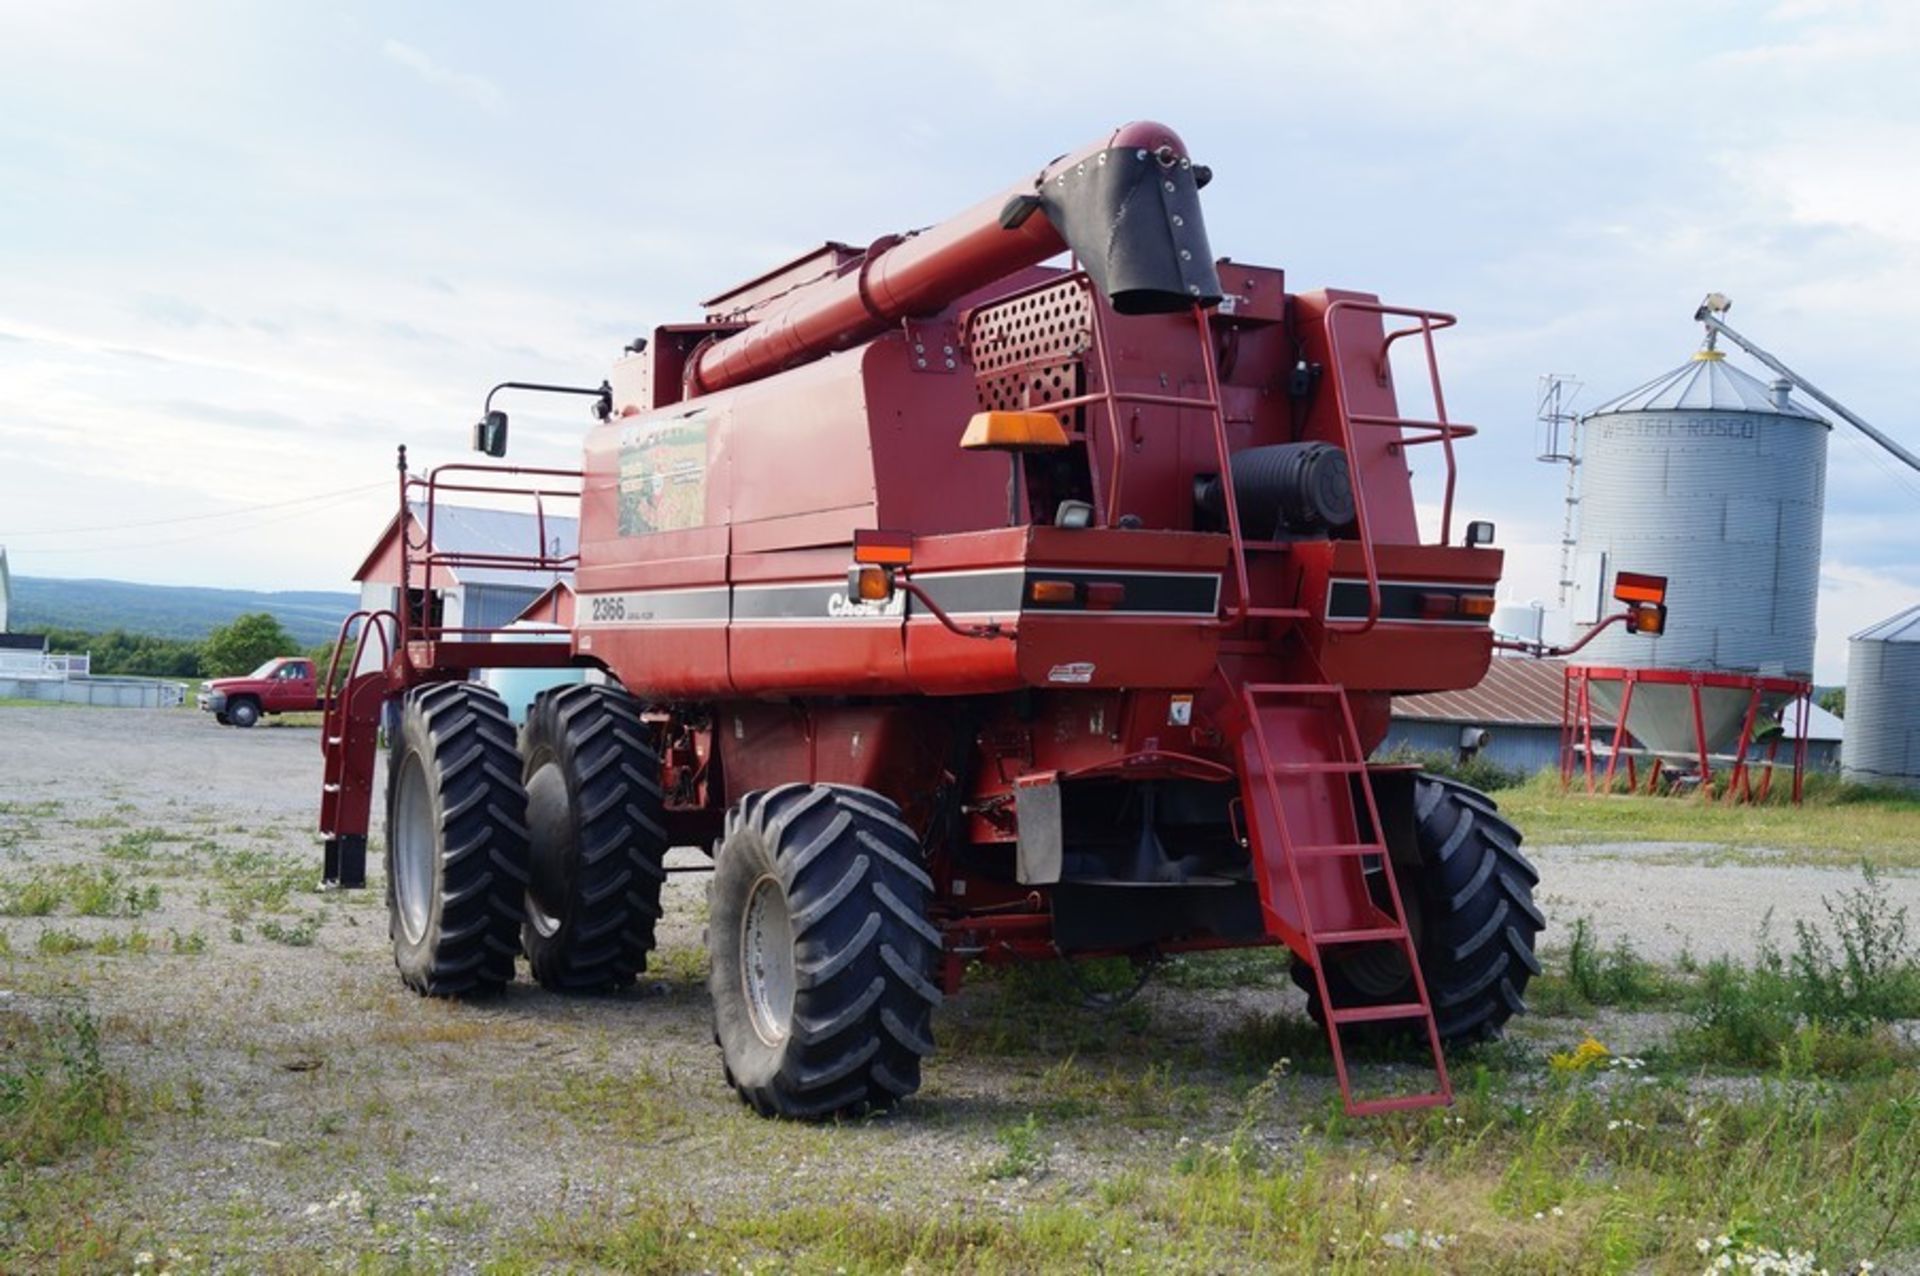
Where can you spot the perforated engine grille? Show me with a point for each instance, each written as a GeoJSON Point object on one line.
{"type": "Point", "coordinates": [1031, 350]}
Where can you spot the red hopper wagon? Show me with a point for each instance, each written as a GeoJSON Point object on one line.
{"type": "Point", "coordinates": [967, 609]}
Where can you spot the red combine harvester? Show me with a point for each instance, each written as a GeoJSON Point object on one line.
{"type": "Point", "coordinates": [968, 610]}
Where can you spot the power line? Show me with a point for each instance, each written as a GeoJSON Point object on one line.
{"type": "Point", "coordinates": [326, 506]}
{"type": "Point", "coordinates": [195, 518]}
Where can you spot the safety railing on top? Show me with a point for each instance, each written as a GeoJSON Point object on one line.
{"type": "Point", "coordinates": [427, 558]}
{"type": "Point", "coordinates": [1439, 430]}
{"type": "Point", "coordinates": [1109, 396]}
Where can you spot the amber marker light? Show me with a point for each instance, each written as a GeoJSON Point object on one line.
{"type": "Point", "coordinates": [869, 584]}
{"type": "Point", "coordinates": [1013, 432]}
{"type": "Point", "coordinates": [1053, 592]}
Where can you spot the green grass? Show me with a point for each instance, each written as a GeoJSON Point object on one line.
{"type": "Point", "coordinates": [1575, 1177]}
{"type": "Point", "coordinates": [1825, 1006]}
{"type": "Point", "coordinates": [300, 934]}
{"type": "Point", "coordinates": [56, 1092]}
{"type": "Point", "coordinates": [1837, 825]}
{"type": "Point", "coordinates": [83, 891]}
{"type": "Point", "coordinates": [253, 881]}
{"type": "Point", "coordinates": [137, 845]}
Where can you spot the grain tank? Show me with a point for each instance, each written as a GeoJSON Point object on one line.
{"type": "Point", "coordinates": [1882, 744]}
{"type": "Point", "coordinates": [1715, 480]}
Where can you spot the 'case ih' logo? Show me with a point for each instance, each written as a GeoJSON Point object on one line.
{"type": "Point", "coordinates": [840, 605]}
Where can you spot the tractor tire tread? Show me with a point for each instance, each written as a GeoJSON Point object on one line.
{"type": "Point", "coordinates": [469, 950]}
{"type": "Point", "coordinates": [865, 954]}
{"type": "Point", "coordinates": [1480, 923]}
{"type": "Point", "coordinates": [606, 929]}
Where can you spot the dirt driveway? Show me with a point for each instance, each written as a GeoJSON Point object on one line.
{"type": "Point", "coordinates": [300, 1106]}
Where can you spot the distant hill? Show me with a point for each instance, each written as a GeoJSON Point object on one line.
{"type": "Point", "coordinates": [169, 611]}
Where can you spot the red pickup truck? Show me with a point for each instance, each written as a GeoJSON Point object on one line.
{"type": "Point", "coordinates": [285, 684]}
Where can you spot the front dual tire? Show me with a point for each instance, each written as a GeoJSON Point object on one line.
{"type": "Point", "coordinates": [823, 959]}
{"type": "Point", "coordinates": [456, 842]}
{"type": "Point", "coordinates": [549, 844]}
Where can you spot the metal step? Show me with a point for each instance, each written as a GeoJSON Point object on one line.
{"type": "Point", "coordinates": [1340, 850]}
{"type": "Point", "coordinates": [1377, 1014]}
{"type": "Point", "coordinates": [1363, 935]}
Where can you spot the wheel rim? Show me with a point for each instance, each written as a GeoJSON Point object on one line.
{"type": "Point", "coordinates": [766, 960]}
{"type": "Point", "coordinates": [415, 855]}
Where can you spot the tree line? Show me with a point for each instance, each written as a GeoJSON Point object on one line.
{"type": "Point", "coordinates": [240, 646]}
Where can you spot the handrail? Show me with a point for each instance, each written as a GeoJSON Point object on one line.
{"type": "Point", "coordinates": [426, 558]}
{"type": "Point", "coordinates": [1114, 397]}
{"type": "Point", "coordinates": [336, 704]}
{"type": "Point", "coordinates": [1441, 430]}
{"type": "Point", "coordinates": [1235, 538]}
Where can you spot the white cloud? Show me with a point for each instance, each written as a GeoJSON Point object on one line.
{"type": "Point", "coordinates": [476, 89]}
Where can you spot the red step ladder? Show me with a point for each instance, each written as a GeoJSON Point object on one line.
{"type": "Point", "coordinates": [349, 730]}
{"type": "Point", "coordinates": [1314, 891]}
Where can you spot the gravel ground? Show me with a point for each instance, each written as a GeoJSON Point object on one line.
{"type": "Point", "coordinates": [1703, 908]}
{"type": "Point", "coordinates": [301, 1105]}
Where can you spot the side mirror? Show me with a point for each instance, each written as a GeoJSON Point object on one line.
{"type": "Point", "coordinates": [490, 434]}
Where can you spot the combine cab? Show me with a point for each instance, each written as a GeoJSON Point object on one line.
{"type": "Point", "coordinates": [967, 609]}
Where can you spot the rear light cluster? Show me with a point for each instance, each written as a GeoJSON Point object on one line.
{"type": "Point", "coordinates": [1447, 606]}
{"type": "Point", "coordinates": [1095, 595]}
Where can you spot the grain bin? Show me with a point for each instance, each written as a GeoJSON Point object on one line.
{"type": "Point", "coordinates": [1715, 480]}
{"type": "Point", "coordinates": [1882, 741]}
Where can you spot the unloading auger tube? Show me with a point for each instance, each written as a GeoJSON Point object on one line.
{"type": "Point", "coordinates": [1127, 206]}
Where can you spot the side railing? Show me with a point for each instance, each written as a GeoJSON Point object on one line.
{"type": "Point", "coordinates": [425, 567]}
{"type": "Point", "coordinates": [1064, 339]}
{"type": "Point", "coordinates": [1438, 430]}
{"type": "Point", "coordinates": [333, 704]}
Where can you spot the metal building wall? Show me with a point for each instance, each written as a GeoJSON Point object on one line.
{"type": "Point", "coordinates": [1727, 506]}
{"type": "Point", "coordinates": [1527, 749]}
{"type": "Point", "coordinates": [1882, 744]}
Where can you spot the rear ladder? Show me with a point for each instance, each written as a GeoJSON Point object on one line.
{"type": "Point", "coordinates": [1324, 880]}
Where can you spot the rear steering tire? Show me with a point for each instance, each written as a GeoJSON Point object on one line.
{"type": "Point", "coordinates": [823, 957]}
{"type": "Point", "coordinates": [594, 815]}
{"type": "Point", "coordinates": [456, 842]}
{"type": "Point", "coordinates": [1473, 921]}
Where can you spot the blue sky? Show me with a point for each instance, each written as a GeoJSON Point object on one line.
{"type": "Point", "coordinates": [245, 249]}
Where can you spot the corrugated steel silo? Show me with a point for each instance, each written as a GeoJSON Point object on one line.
{"type": "Point", "coordinates": [1715, 480]}
{"type": "Point", "coordinates": [1882, 740]}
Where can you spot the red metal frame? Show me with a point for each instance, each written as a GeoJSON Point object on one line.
{"type": "Point", "coordinates": [1577, 736]}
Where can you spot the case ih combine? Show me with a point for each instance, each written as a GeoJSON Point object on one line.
{"type": "Point", "coordinates": [968, 610]}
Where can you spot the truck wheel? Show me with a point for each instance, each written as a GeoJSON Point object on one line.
{"type": "Point", "coordinates": [1473, 922]}
{"type": "Point", "coordinates": [242, 713]}
{"type": "Point", "coordinates": [593, 811]}
{"type": "Point", "coordinates": [222, 718]}
{"type": "Point", "coordinates": [823, 956]}
{"type": "Point", "coordinates": [456, 842]}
